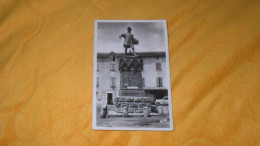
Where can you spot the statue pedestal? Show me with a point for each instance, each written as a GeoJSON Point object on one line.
{"type": "Point", "coordinates": [131, 93]}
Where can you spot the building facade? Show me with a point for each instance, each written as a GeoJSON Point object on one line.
{"type": "Point", "coordinates": [154, 75]}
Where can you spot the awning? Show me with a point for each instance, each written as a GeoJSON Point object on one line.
{"type": "Point", "coordinates": [155, 88]}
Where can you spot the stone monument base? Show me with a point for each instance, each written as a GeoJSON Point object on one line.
{"type": "Point", "coordinates": [134, 100]}
{"type": "Point", "coordinates": [131, 95]}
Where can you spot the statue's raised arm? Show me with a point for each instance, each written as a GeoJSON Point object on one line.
{"type": "Point", "coordinates": [122, 35]}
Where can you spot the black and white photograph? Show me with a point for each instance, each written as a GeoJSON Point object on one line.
{"type": "Point", "coordinates": [131, 76]}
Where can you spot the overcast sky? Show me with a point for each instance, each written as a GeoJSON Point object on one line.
{"type": "Point", "coordinates": [149, 34]}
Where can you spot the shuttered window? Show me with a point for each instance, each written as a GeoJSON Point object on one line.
{"type": "Point", "coordinates": [98, 67]}
{"type": "Point", "coordinates": [112, 82]}
{"type": "Point", "coordinates": [158, 66]}
{"type": "Point", "coordinates": [97, 81]}
{"type": "Point", "coordinates": [112, 67]}
{"type": "Point", "coordinates": [159, 82]}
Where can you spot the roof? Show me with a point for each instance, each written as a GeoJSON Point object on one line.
{"type": "Point", "coordinates": [139, 54]}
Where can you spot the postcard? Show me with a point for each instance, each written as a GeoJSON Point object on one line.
{"type": "Point", "coordinates": [131, 76]}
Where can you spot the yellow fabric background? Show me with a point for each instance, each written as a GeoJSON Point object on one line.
{"type": "Point", "coordinates": [46, 71]}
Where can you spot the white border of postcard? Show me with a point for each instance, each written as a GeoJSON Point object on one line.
{"type": "Point", "coordinates": [168, 81]}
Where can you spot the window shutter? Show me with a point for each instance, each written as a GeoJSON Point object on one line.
{"type": "Point", "coordinates": [112, 67]}
{"type": "Point", "coordinates": [114, 58]}
{"type": "Point", "coordinates": [158, 66]}
{"type": "Point", "coordinates": [97, 81]}
{"type": "Point", "coordinates": [98, 67]}
{"type": "Point", "coordinates": [112, 82]}
{"type": "Point", "coordinates": [160, 82]}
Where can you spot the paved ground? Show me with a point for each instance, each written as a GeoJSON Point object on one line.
{"type": "Point", "coordinates": [132, 122]}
